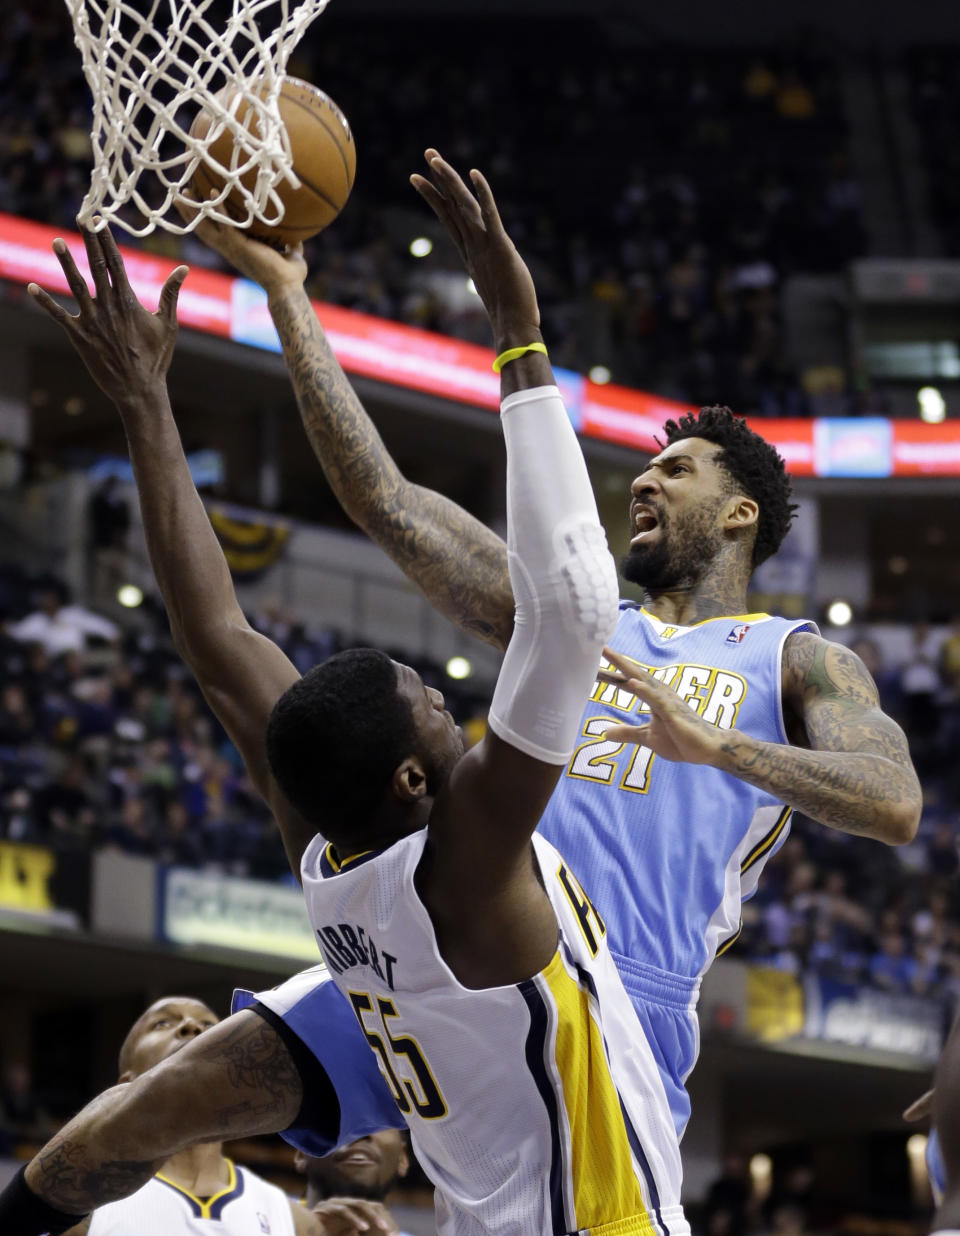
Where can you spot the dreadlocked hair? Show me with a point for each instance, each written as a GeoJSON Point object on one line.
{"type": "Point", "coordinates": [753, 465]}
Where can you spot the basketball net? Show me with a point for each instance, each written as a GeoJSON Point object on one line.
{"type": "Point", "coordinates": [151, 73]}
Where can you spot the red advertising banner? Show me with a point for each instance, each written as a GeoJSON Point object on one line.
{"type": "Point", "coordinates": [419, 360]}
{"type": "Point", "coordinates": [926, 450]}
{"type": "Point", "coordinates": [26, 256]}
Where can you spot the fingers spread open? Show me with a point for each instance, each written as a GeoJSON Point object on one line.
{"type": "Point", "coordinates": [488, 207]}
{"type": "Point", "coordinates": [626, 733]}
{"type": "Point", "coordinates": [98, 263]}
{"type": "Point", "coordinates": [47, 303]}
{"type": "Point", "coordinates": [75, 280]}
{"type": "Point", "coordinates": [167, 308]}
{"type": "Point", "coordinates": [441, 208]}
{"type": "Point", "coordinates": [453, 188]}
{"type": "Point", "coordinates": [114, 262]}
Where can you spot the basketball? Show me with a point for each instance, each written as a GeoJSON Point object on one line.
{"type": "Point", "coordinates": [324, 158]}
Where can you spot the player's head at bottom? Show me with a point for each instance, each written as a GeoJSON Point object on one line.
{"type": "Point", "coordinates": [360, 746]}
{"type": "Point", "coordinates": [169, 1024]}
{"type": "Point", "coordinates": [368, 1168]}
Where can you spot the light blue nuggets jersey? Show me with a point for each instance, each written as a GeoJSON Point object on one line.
{"type": "Point", "coordinates": [668, 851]}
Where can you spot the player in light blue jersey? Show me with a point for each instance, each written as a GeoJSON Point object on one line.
{"type": "Point", "coordinates": [753, 715]}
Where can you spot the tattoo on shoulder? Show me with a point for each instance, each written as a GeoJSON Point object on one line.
{"type": "Point", "coordinates": [815, 666]}
{"type": "Point", "coordinates": [838, 700]}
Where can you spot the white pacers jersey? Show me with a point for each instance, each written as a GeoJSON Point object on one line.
{"type": "Point", "coordinates": [536, 1109]}
{"type": "Point", "coordinates": [246, 1206]}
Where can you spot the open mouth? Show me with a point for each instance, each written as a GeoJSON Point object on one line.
{"type": "Point", "coordinates": [645, 523]}
{"type": "Point", "coordinates": [356, 1158]}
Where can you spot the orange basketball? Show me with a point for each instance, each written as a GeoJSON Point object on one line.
{"type": "Point", "coordinates": [324, 158]}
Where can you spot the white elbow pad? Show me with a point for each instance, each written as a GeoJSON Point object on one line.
{"type": "Point", "coordinates": [563, 576]}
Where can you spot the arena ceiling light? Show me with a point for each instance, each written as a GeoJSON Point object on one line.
{"type": "Point", "coordinates": [600, 374]}
{"type": "Point", "coordinates": [839, 613]}
{"type": "Point", "coordinates": [933, 406]}
{"type": "Point", "coordinates": [421, 246]}
{"type": "Point", "coordinates": [459, 668]}
{"type": "Point", "coordinates": [130, 596]}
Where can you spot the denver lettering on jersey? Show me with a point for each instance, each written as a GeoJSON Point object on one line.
{"type": "Point", "coordinates": [344, 947]}
{"type": "Point", "coordinates": [715, 694]}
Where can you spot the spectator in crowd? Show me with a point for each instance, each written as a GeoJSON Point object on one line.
{"type": "Point", "coordinates": [128, 755]}
{"type": "Point", "coordinates": [58, 627]}
{"type": "Point", "coordinates": [890, 967]}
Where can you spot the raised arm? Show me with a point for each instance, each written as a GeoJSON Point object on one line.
{"type": "Point", "coordinates": [493, 918]}
{"type": "Point", "coordinates": [457, 563]}
{"type": "Point", "coordinates": [854, 771]}
{"type": "Point", "coordinates": [127, 351]}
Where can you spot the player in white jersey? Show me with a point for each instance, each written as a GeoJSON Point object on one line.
{"type": "Point", "coordinates": [800, 717]}
{"type": "Point", "coordinates": [566, 586]}
{"type": "Point", "coordinates": [368, 1168]}
{"type": "Point", "coordinates": [200, 1192]}
{"type": "Point", "coordinates": [476, 965]}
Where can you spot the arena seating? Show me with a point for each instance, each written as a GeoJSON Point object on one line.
{"type": "Point", "coordinates": [112, 745]}
{"type": "Point", "coordinates": [661, 202]}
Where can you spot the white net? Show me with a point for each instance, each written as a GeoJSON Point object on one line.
{"type": "Point", "coordinates": [152, 71]}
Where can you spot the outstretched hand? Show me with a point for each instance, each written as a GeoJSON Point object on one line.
{"type": "Point", "coordinates": [274, 269]}
{"type": "Point", "coordinates": [499, 273]}
{"type": "Point", "coordinates": [350, 1216]}
{"type": "Point", "coordinates": [126, 348]}
{"type": "Point", "coordinates": [674, 730]}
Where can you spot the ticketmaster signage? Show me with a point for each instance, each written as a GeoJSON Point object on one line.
{"type": "Point", "coordinates": [248, 915]}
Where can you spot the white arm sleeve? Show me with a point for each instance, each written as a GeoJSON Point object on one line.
{"type": "Point", "coordinates": [563, 576]}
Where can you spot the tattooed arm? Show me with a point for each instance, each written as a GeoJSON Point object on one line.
{"type": "Point", "coordinates": [457, 563]}
{"type": "Point", "coordinates": [855, 774]}
{"type": "Point", "coordinates": [235, 1080]}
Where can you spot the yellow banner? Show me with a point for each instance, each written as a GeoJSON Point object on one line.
{"type": "Point", "coordinates": [775, 1008]}
{"type": "Point", "coordinates": [25, 872]}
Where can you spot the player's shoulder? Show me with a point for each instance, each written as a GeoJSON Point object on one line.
{"type": "Point", "coordinates": [813, 663]}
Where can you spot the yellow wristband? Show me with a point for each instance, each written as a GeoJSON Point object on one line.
{"type": "Point", "coordinates": [513, 354]}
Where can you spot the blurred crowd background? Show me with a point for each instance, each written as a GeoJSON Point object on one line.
{"type": "Point", "coordinates": [685, 188]}
{"type": "Point", "coordinates": [106, 741]}
{"type": "Point", "coordinates": [664, 196]}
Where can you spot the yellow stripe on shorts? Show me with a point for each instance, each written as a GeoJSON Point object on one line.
{"type": "Point", "coordinates": [605, 1186]}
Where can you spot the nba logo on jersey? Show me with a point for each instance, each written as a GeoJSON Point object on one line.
{"type": "Point", "coordinates": [738, 632]}
{"type": "Point", "coordinates": [264, 1223]}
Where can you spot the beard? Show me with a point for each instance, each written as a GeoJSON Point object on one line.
{"type": "Point", "coordinates": [679, 557]}
{"type": "Point", "coordinates": [345, 1187]}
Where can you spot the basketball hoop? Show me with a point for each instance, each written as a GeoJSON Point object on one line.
{"type": "Point", "coordinates": [151, 73]}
